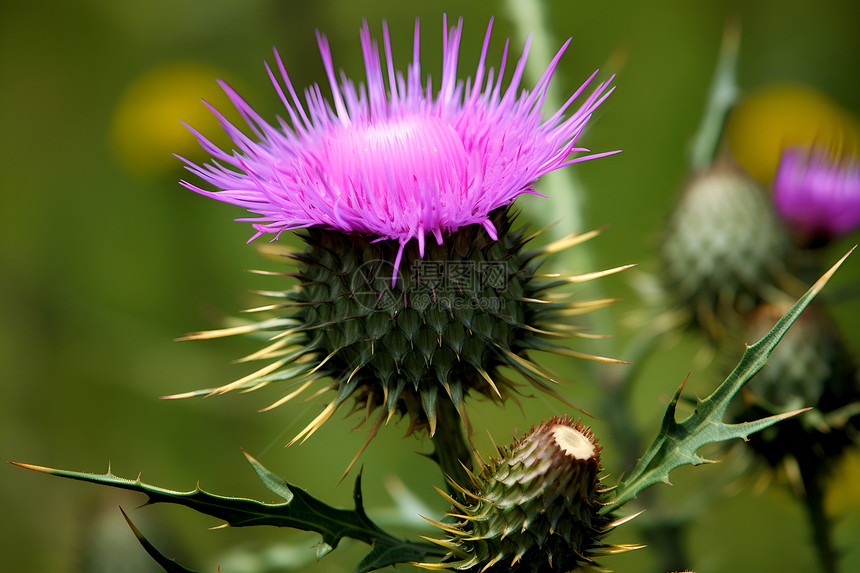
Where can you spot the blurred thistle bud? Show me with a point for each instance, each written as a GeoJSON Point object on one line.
{"type": "Point", "coordinates": [535, 508]}
{"type": "Point", "coordinates": [723, 250]}
{"type": "Point", "coordinates": [811, 367]}
{"type": "Point", "coordinates": [817, 194]}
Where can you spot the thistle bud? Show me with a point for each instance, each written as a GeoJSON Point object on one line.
{"type": "Point", "coordinates": [535, 508]}
{"type": "Point", "coordinates": [723, 249]}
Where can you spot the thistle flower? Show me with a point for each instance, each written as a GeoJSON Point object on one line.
{"type": "Point", "coordinates": [817, 196]}
{"type": "Point", "coordinates": [396, 322]}
{"type": "Point", "coordinates": [535, 508]}
{"type": "Point", "coordinates": [393, 161]}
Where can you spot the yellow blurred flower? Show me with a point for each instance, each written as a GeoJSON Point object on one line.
{"type": "Point", "coordinates": [146, 129]}
{"type": "Point", "coordinates": [785, 115]}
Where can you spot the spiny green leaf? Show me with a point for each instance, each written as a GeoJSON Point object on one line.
{"type": "Point", "coordinates": [273, 482]}
{"type": "Point", "coordinates": [299, 511]}
{"type": "Point", "coordinates": [169, 565]}
{"type": "Point", "coordinates": [677, 443]}
{"type": "Point", "coordinates": [354, 523]}
{"type": "Point", "coordinates": [386, 553]}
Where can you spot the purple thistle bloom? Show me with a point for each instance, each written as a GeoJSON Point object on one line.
{"type": "Point", "coordinates": [393, 159]}
{"type": "Point", "coordinates": [816, 195]}
{"type": "Point", "coordinates": [389, 161]}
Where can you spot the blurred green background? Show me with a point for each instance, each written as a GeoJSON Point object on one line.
{"type": "Point", "coordinates": [105, 259]}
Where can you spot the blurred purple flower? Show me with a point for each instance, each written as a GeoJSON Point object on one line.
{"type": "Point", "coordinates": [393, 159]}
{"type": "Point", "coordinates": [818, 196]}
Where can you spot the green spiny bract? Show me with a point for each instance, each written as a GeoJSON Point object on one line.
{"type": "Point", "coordinates": [442, 330]}
{"type": "Point", "coordinates": [533, 509]}
{"type": "Point", "coordinates": [723, 251]}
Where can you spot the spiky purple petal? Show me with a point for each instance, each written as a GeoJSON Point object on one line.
{"type": "Point", "coordinates": [391, 159]}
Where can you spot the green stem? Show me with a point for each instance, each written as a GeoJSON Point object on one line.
{"type": "Point", "coordinates": [450, 449]}
{"type": "Point", "coordinates": [663, 530]}
{"type": "Point", "coordinates": [562, 189]}
{"type": "Point", "coordinates": [811, 473]}
{"type": "Point", "coordinates": [618, 390]}
{"type": "Point", "coordinates": [721, 97]}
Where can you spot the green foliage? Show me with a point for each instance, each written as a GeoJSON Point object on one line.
{"type": "Point", "coordinates": [300, 510]}
{"type": "Point", "coordinates": [677, 443]}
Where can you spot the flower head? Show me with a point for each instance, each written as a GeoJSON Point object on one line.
{"type": "Point", "coordinates": [384, 325]}
{"type": "Point", "coordinates": [393, 159]}
{"type": "Point", "coordinates": [817, 195]}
